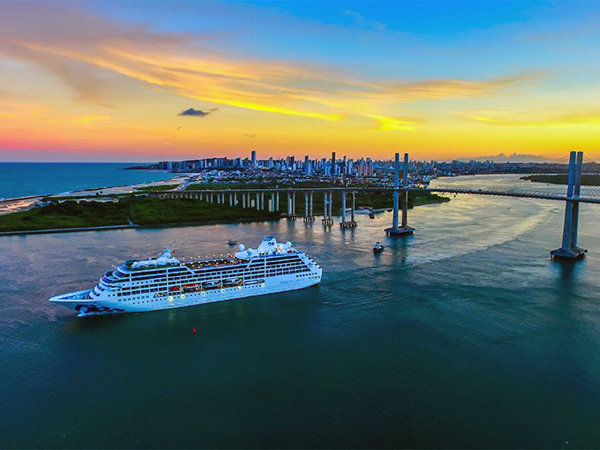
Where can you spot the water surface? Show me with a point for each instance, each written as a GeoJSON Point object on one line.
{"type": "Point", "coordinates": [24, 179]}
{"type": "Point", "coordinates": [465, 335]}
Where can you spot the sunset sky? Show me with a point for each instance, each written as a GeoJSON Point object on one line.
{"type": "Point", "coordinates": [110, 81]}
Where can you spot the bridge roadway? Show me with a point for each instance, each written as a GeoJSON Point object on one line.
{"type": "Point", "coordinates": [542, 196]}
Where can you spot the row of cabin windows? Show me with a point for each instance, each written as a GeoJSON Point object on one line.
{"type": "Point", "coordinates": [288, 268]}
{"type": "Point", "coordinates": [288, 271]}
{"type": "Point", "coordinates": [163, 286]}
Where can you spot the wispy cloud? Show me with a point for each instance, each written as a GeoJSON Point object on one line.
{"type": "Point", "coordinates": [359, 19]}
{"type": "Point", "coordinates": [537, 119]}
{"type": "Point", "coordinates": [91, 119]}
{"type": "Point", "coordinates": [387, 123]}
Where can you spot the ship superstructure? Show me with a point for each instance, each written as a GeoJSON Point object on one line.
{"type": "Point", "coordinates": [165, 282]}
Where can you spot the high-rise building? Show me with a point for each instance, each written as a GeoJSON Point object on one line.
{"type": "Point", "coordinates": [253, 161]}
{"type": "Point", "coordinates": [307, 167]}
{"type": "Point", "coordinates": [333, 171]}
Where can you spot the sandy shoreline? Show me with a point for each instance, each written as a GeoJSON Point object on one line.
{"type": "Point", "coordinates": [12, 205]}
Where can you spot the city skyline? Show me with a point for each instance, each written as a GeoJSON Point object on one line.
{"type": "Point", "coordinates": [125, 81]}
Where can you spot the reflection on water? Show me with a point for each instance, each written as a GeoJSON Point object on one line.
{"type": "Point", "coordinates": [463, 335]}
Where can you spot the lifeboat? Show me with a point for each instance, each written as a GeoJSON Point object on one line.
{"type": "Point", "coordinates": [232, 282]}
{"type": "Point", "coordinates": [211, 285]}
{"type": "Point", "coordinates": [190, 287]}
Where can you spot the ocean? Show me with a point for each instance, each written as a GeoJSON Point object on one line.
{"type": "Point", "coordinates": [465, 335]}
{"type": "Point", "coordinates": [23, 179]}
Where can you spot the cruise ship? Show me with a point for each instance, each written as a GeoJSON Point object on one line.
{"type": "Point", "coordinates": [165, 282]}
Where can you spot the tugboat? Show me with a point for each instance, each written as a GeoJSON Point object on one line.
{"type": "Point", "coordinates": [378, 248]}
{"type": "Point", "coordinates": [232, 242]}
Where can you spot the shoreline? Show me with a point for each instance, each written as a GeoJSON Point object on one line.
{"type": "Point", "coordinates": [124, 227]}
{"type": "Point", "coordinates": [17, 204]}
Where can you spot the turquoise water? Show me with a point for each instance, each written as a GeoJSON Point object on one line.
{"type": "Point", "coordinates": [465, 336]}
{"type": "Point", "coordinates": [23, 179]}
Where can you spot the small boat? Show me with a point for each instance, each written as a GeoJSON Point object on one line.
{"type": "Point", "coordinates": [378, 247]}
{"type": "Point", "coordinates": [232, 242]}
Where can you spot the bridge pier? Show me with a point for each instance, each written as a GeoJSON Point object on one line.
{"type": "Point", "coordinates": [351, 223]}
{"type": "Point", "coordinates": [404, 229]}
{"type": "Point", "coordinates": [569, 249]}
{"type": "Point", "coordinates": [291, 205]}
{"type": "Point", "coordinates": [327, 219]}
{"type": "Point", "coordinates": [308, 217]}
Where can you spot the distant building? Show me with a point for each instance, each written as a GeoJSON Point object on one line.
{"type": "Point", "coordinates": [253, 160]}
{"type": "Point", "coordinates": [333, 170]}
{"type": "Point", "coordinates": [307, 167]}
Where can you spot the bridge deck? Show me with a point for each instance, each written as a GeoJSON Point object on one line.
{"type": "Point", "coordinates": [447, 190]}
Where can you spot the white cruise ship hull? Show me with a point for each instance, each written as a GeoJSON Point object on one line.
{"type": "Point", "coordinates": [81, 303]}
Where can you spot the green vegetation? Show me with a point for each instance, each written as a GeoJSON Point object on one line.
{"type": "Point", "coordinates": [141, 211]}
{"type": "Point", "coordinates": [144, 210]}
{"type": "Point", "coordinates": [385, 200]}
{"type": "Point", "coordinates": [159, 188]}
{"type": "Point", "coordinates": [563, 178]}
{"type": "Point", "coordinates": [55, 198]}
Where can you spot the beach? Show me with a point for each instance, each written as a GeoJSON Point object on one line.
{"type": "Point", "coordinates": [12, 205]}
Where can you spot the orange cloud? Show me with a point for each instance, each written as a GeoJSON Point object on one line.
{"type": "Point", "coordinates": [95, 56]}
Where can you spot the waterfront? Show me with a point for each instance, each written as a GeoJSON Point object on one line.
{"type": "Point", "coordinates": [464, 335]}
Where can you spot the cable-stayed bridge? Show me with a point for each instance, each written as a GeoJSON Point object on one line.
{"type": "Point", "coordinates": [514, 186]}
{"type": "Point", "coordinates": [572, 193]}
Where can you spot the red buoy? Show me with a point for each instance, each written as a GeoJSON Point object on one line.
{"type": "Point", "coordinates": [194, 330]}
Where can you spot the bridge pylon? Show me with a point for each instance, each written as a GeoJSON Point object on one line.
{"type": "Point", "coordinates": [404, 229]}
{"type": "Point", "coordinates": [569, 249]}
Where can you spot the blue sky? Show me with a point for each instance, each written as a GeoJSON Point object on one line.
{"type": "Point", "coordinates": [353, 76]}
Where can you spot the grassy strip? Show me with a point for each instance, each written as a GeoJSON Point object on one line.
{"type": "Point", "coordinates": [144, 210]}
{"type": "Point", "coordinates": [586, 180]}
{"type": "Point", "coordinates": [385, 200]}
{"type": "Point", "coordinates": [141, 211]}
{"type": "Point", "coordinates": [159, 188]}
